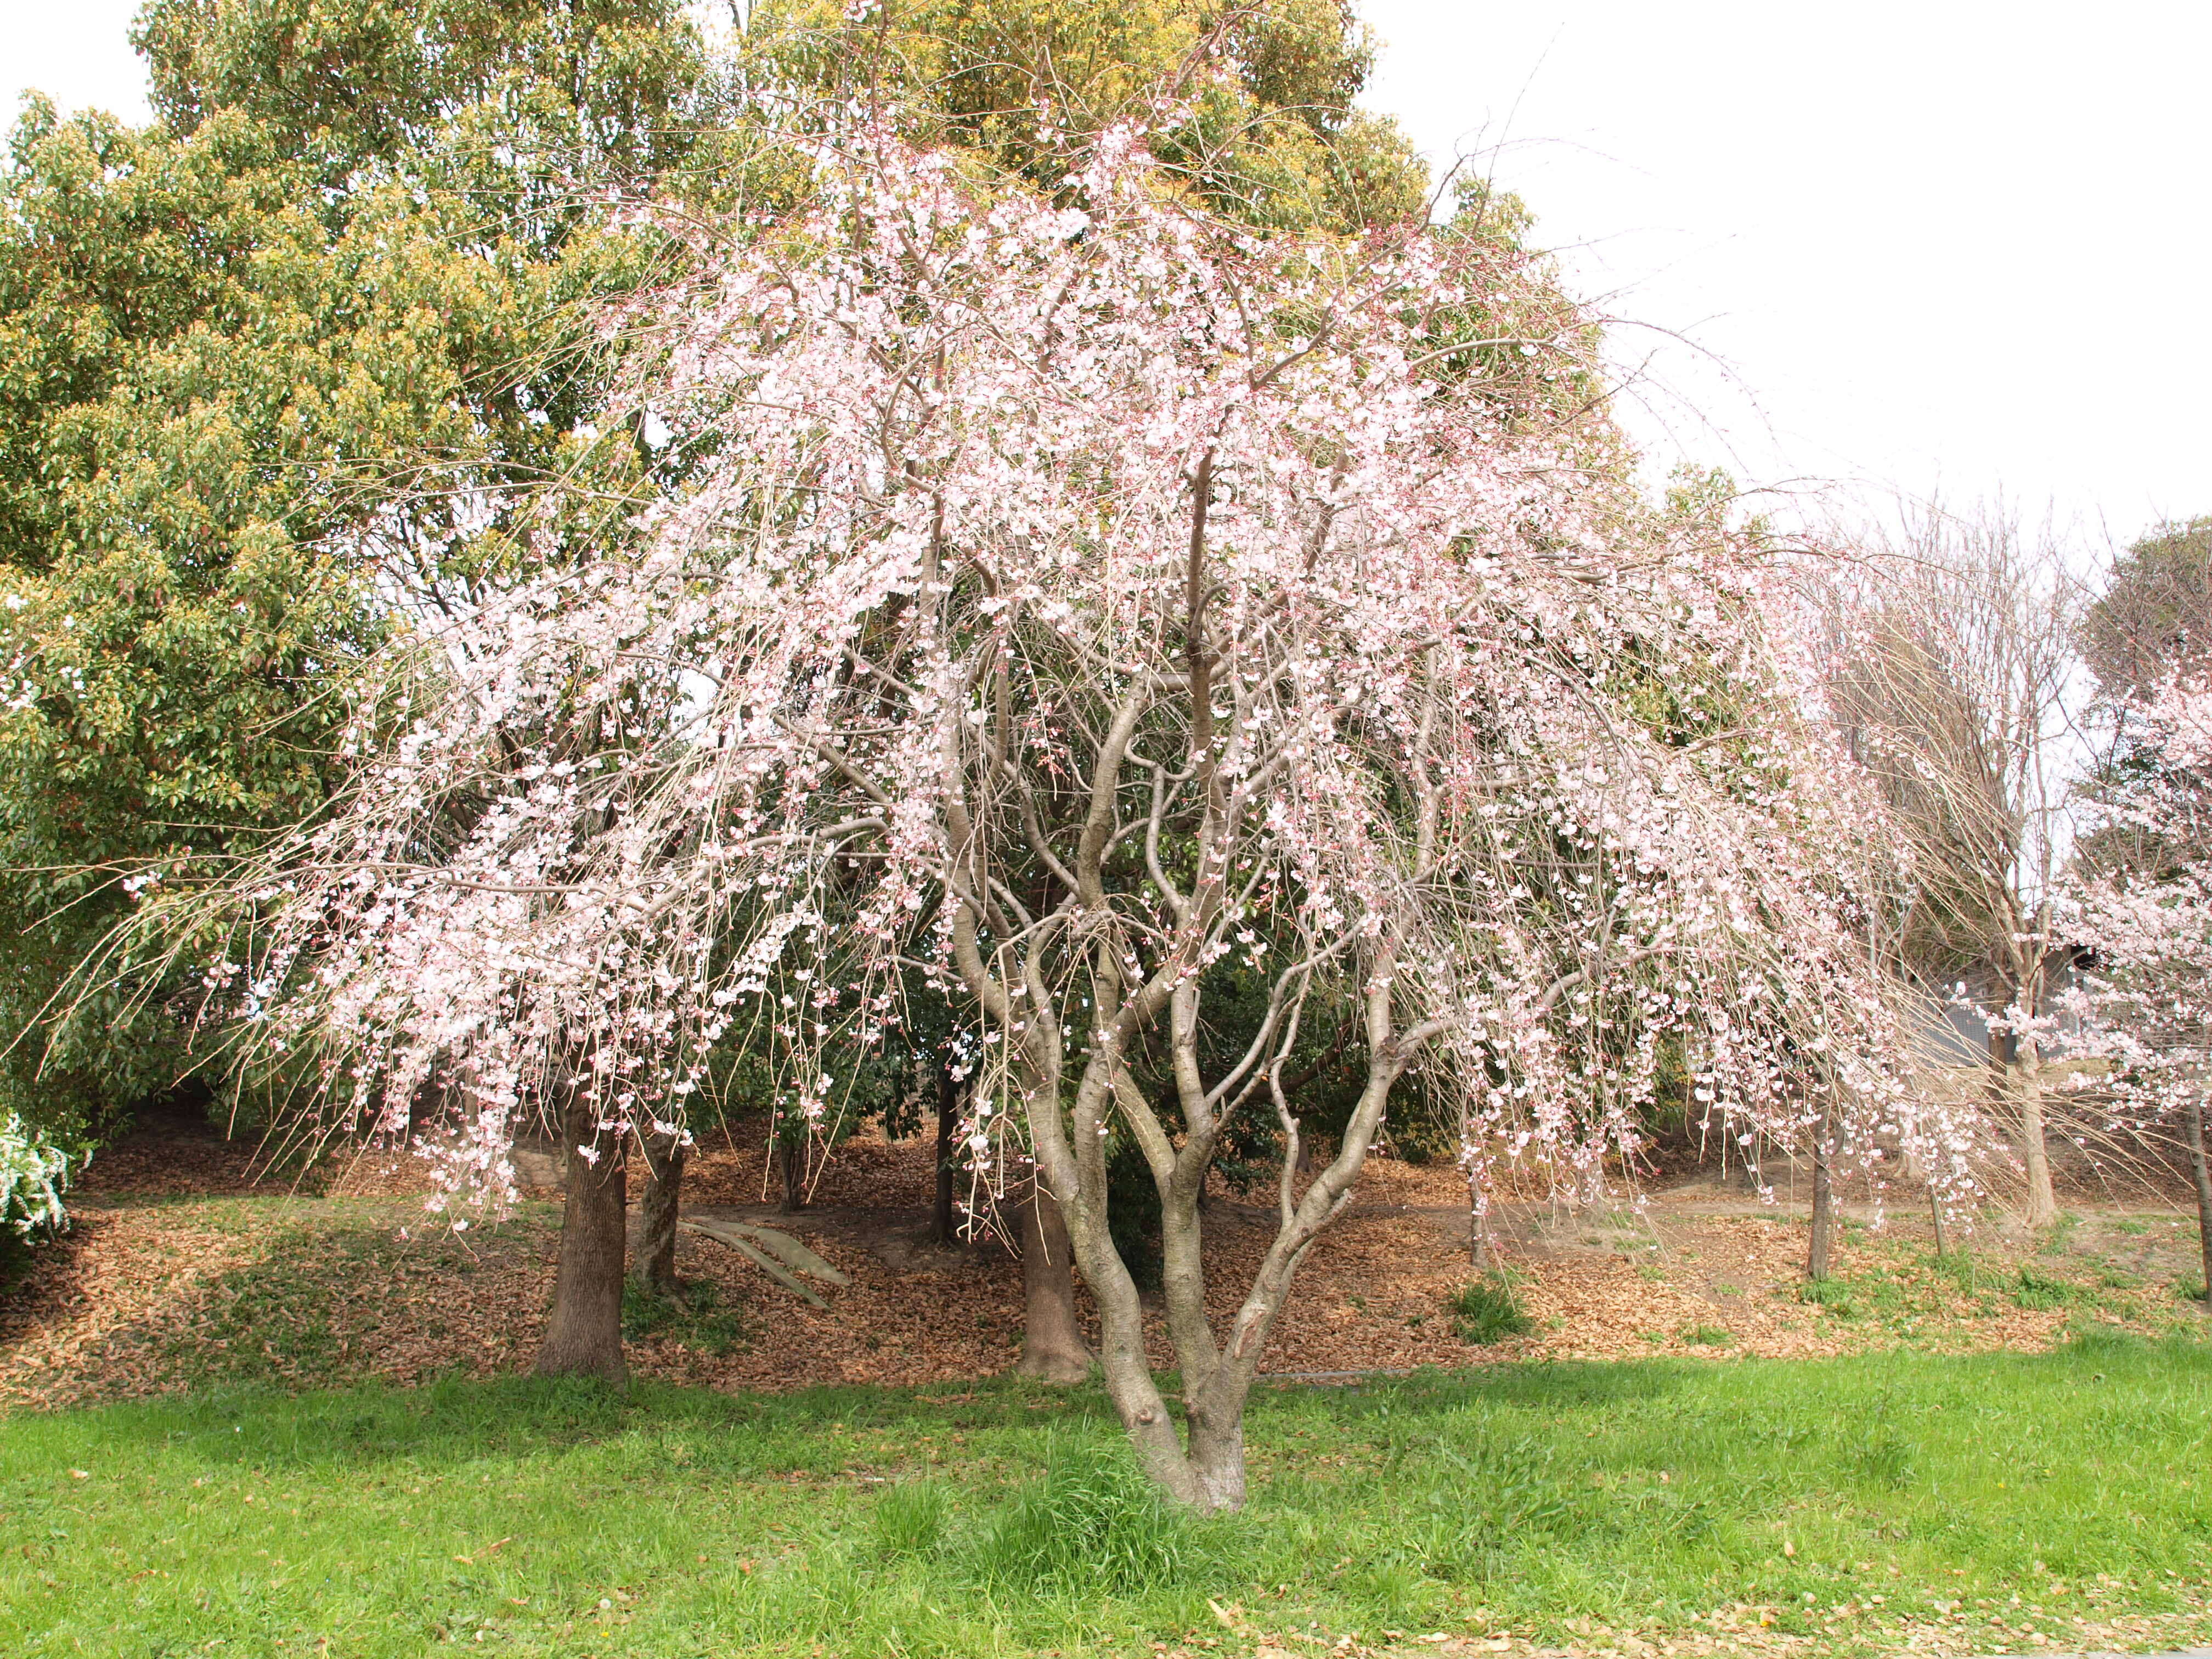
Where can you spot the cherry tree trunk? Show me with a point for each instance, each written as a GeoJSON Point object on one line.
{"type": "Point", "coordinates": [788, 1176]}
{"type": "Point", "coordinates": [1217, 1458]}
{"type": "Point", "coordinates": [2197, 1168]}
{"type": "Point", "coordinates": [2042, 1198]}
{"type": "Point", "coordinates": [1052, 1341]}
{"type": "Point", "coordinates": [584, 1336]}
{"type": "Point", "coordinates": [1824, 1218]}
{"type": "Point", "coordinates": [948, 1119]}
{"type": "Point", "coordinates": [1204, 1469]}
{"type": "Point", "coordinates": [657, 1213]}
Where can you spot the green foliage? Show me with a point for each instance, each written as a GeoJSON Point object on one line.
{"type": "Point", "coordinates": [1133, 1212]}
{"type": "Point", "coordinates": [2032, 1289]}
{"type": "Point", "coordinates": [1707, 1336]}
{"type": "Point", "coordinates": [34, 1173]}
{"type": "Point", "coordinates": [1276, 142]}
{"type": "Point", "coordinates": [1487, 1309]}
{"type": "Point", "coordinates": [909, 1519]}
{"type": "Point", "coordinates": [1092, 1523]}
{"type": "Point", "coordinates": [1521, 1496]}
{"type": "Point", "coordinates": [1830, 1293]}
{"type": "Point", "coordinates": [2154, 616]}
{"type": "Point", "coordinates": [347, 81]}
{"type": "Point", "coordinates": [694, 1315]}
{"type": "Point", "coordinates": [268, 370]}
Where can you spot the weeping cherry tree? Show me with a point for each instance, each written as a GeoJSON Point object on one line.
{"type": "Point", "coordinates": [1078, 599]}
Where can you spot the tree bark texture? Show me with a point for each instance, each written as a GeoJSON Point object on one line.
{"type": "Point", "coordinates": [657, 1213]}
{"type": "Point", "coordinates": [2197, 1167]}
{"type": "Point", "coordinates": [2027, 1087]}
{"type": "Point", "coordinates": [948, 1119]}
{"type": "Point", "coordinates": [1052, 1341]}
{"type": "Point", "coordinates": [790, 1175]}
{"type": "Point", "coordinates": [1823, 1221]}
{"type": "Point", "coordinates": [584, 1336]}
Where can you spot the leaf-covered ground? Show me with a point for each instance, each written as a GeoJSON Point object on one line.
{"type": "Point", "coordinates": [189, 1265]}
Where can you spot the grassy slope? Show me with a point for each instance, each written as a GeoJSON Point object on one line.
{"type": "Point", "coordinates": [1669, 1496]}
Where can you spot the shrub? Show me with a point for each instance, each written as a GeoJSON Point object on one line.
{"type": "Point", "coordinates": [1133, 1212]}
{"type": "Point", "coordinates": [34, 1173]}
{"type": "Point", "coordinates": [1488, 1310]}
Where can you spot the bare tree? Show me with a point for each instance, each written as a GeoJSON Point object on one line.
{"type": "Point", "coordinates": [1951, 675]}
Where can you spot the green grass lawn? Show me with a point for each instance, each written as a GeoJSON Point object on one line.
{"type": "Point", "coordinates": [1672, 1495]}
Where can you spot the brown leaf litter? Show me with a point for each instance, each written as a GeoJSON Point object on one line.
{"type": "Point", "coordinates": [189, 1263]}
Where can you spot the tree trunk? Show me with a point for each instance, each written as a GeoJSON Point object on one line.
{"type": "Point", "coordinates": [2197, 1164]}
{"type": "Point", "coordinates": [2042, 1198]}
{"type": "Point", "coordinates": [1217, 1458]}
{"type": "Point", "coordinates": [948, 1118]}
{"type": "Point", "coordinates": [1205, 1473]}
{"type": "Point", "coordinates": [1052, 1341]}
{"type": "Point", "coordinates": [657, 1214]}
{"type": "Point", "coordinates": [584, 1336]}
{"type": "Point", "coordinates": [1816, 1261]}
{"type": "Point", "coordinates": [789, 1175]}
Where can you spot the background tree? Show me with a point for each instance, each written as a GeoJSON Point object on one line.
{"type": "Point", "coordinates": [351, 248]}
{"type": "Point", "coordinates": [2148, 999]}
{"type": "Point", "coordinates": [1951, 653]}
{"type": "Point", "coordinates": [1268, 131]}
{"type": "Point", "coordinates": [2153, 619]}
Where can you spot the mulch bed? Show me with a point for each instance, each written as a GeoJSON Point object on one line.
{"type": "Point", "coordinates": [191, 1262]}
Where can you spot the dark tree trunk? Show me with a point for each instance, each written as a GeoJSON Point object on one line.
{"type": "Point", "coordinates": [427, 1106]}
{"type": "Point", "coordinates": [948, 1118]}
{"type": "Point", "coordinates": [1824, 1218]}
{"type": "Point", "coordinates": [657, 1214]}
{"type": "Point", "coordinates": [2196, 1164]}
{"type": "Point", "coordinates": [584, 1336]}
{"type": "Point", "coordinates": [789, 1175]}
{"type": "Point", "coordinates": [1052, 1341]}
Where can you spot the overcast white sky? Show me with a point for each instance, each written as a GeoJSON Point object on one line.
{"type": "Point", "coordinates": [1933, 245]}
